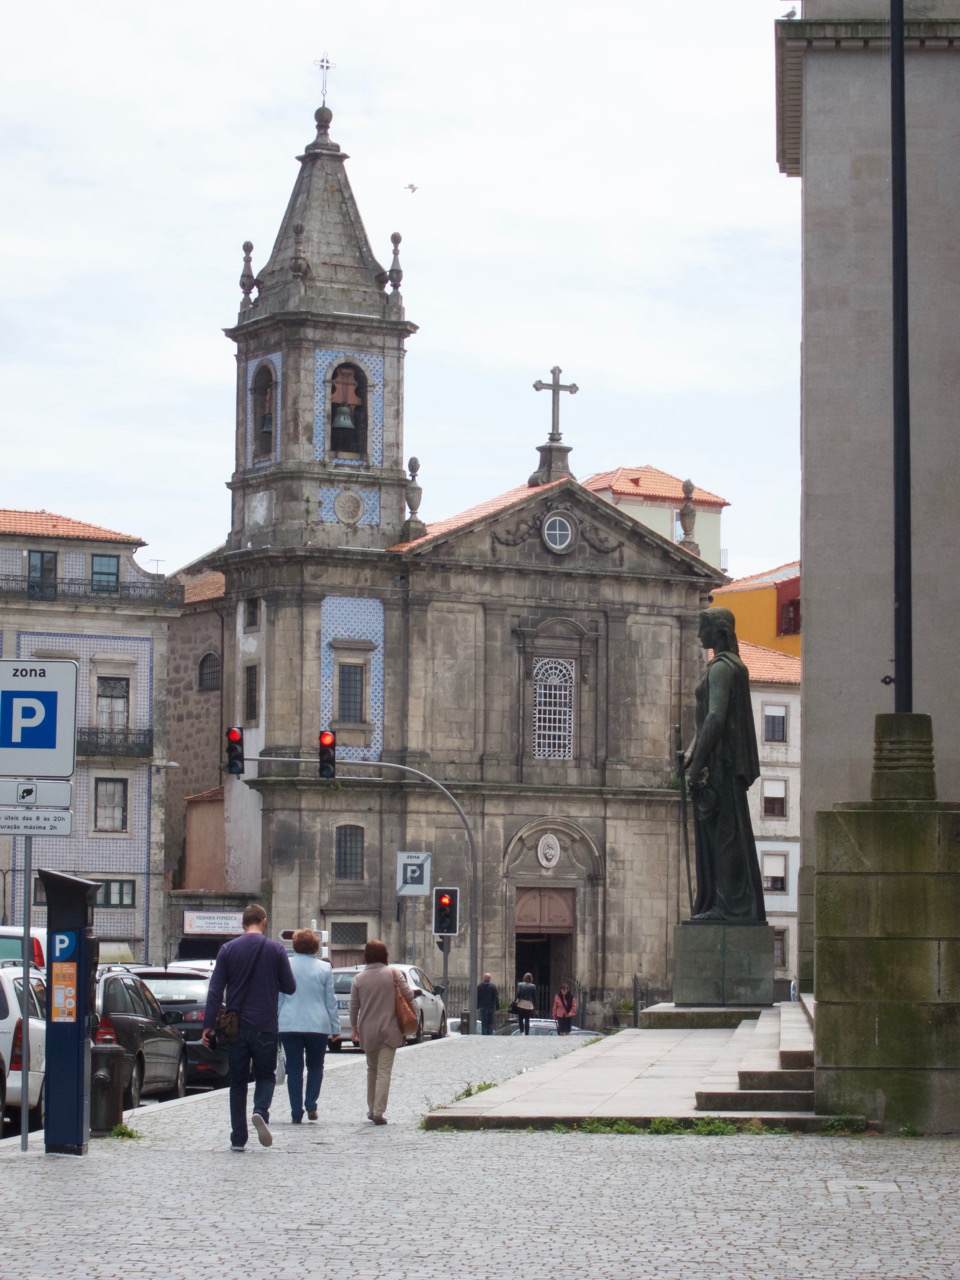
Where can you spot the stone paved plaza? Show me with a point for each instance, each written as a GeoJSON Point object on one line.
{"type": "Point", "coordinates": [343, 1200]}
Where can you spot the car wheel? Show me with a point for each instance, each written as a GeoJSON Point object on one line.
{"type": "Point", "coordinates": [443, 1027]}
{"type": "Point", "coordinates": [131, 1094]}
{"type": "Point", "coordinates": [179, 1089]}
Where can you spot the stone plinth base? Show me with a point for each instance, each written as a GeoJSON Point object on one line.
{"type": "Point", "coordinates": [723, 964]}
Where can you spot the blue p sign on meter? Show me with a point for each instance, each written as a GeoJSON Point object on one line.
{"type": "Point", "coordinates": [38, 718]}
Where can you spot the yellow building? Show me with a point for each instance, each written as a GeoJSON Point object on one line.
{"type": "Point", "coordinates": [766, 607]}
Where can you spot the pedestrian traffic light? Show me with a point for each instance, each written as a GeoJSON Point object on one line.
{"type": "Point", "coordinates": [235, 750]}
{"type": "Point", "coordinates": [328, 754]}
{"type": "Point", "coordinates": [446, 912]}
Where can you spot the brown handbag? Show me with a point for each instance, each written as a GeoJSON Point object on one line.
{"type": "Point", "coordinates": [407, 1016]}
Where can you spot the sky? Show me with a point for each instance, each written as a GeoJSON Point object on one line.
{"type": "Point", "coordinates": [597, 189]}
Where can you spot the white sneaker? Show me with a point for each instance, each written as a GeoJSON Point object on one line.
{"type": "Point", "coordinates": [263, 1131]}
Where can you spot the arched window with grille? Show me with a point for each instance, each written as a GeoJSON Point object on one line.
{"type": "Point", "coordinates": [553, 709]}
{"type": "Point", "coordinates": [208, 672]}
{"type": "Point", "coordinates": [348, 411]}
{"type": "Point", "coordinates": [264, 400]}
{"type": "Point", "coordinates": [348, 856]}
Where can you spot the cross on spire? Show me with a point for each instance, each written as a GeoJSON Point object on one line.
{"type": "Point", "coordinates": [555, 387]}
{"type": "Point", "coordinates": [325, 65]}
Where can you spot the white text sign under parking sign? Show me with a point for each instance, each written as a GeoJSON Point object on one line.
{"type": "Point", "coordinates": [38, 718]}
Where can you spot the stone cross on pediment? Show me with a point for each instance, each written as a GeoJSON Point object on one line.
{"type": "Point", "coordinates": [555, 387]}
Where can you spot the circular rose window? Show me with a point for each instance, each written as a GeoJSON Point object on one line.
{"type": "Point", "coordinates": [559, 534]}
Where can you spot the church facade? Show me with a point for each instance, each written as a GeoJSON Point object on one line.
{"type": "Point", "coordinates": [532, 655]}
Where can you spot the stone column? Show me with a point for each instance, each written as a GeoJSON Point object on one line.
{"type": "Point", "coordinates": [887, 1025]}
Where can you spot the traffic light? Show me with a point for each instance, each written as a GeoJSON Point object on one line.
{"type": "Point", "coordinates": [328, 754]}
{"type": "Point", "coordinates": [235, 750]}
{"type": "Point", "coordinates": [446, 912]}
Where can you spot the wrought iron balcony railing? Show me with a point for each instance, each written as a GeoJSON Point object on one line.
{"type": "Point", "coordinates": [115, 742]}
{"type": "Point", "coordinates": [154, 595]}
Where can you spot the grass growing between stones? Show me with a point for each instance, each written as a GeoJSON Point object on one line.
{"type": "Point", "coordinates": [124, 1131]}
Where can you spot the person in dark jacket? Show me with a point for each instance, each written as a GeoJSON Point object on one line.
{"type": "Point", "coordinates": [253, 970]}
{"type": "Point", "coordinates": [488, 998]}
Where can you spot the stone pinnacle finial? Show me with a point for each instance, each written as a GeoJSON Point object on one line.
{"type": "Point", "coordinates": [323, 116]}
{"type": "Point", "coordinates": [247, 280]}
{"type": "Point", "coordinates": [299, 266]}
{"type": "Point", "coordinates": [413, 526]}
{"type": "Point", "coordinates": [395, 273]}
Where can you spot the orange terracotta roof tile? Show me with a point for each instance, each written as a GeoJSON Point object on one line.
{"type": "Point", "coordinates": [210, 587]}
{"type": "Point", "coordinates": [769, 578]}
{"type": "Point", "coordinates": [214, 793]}
{"type": "Point", "coordinates": [649, 482]}
{"type": "Point", "coordinates": [769, 666]}
{"type": "Point", "coordinates": [479, 512]}
{"type": "Point", "coordinates": [44, 524]}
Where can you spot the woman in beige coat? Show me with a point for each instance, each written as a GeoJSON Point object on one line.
{"type": "Point", "coordinates": [373, 1019]}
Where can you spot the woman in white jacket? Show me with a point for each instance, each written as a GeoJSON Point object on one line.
{"type": "Point", "coordinates": [307, 1020]}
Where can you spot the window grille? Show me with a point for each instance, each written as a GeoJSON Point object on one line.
{"type": "Point", "coordinates": [113, 702]}
{"type": "Point", "coordinates": [553, 688]}
{"type": "Point", "coordinates": [350, 693]}
{"type": "Point", "coordinates": [208, 672]}
{"type": "Point", "coordinates": [349, 853]}
{"type": "Point", "coordinates": [110, 804]}
{"type": "Point", "coordinates": [348, 933]}
{"type": "Point", "coordinates": [779, 948]}
{"type": "Point", "coordinates": [250, 678]}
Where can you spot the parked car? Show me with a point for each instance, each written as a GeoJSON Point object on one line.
{"type": "Point", "coordinates": [427, 998]}
{"type": "Point", "coordinates": [539, 1027]}
{"type": "Point", "coordinates": [186, 991]}
{"type": "Point", "coordinates": [11, 944]}
{"type": "Point", "coordinates": [11, 1040]}
{"type": "Point", "coordinates": [154, 1054]}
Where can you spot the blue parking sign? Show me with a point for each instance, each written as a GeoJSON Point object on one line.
{"type": "Point", "coordinates": [28, 719]}
{"type": "Point", "coordinates": [38, 718]}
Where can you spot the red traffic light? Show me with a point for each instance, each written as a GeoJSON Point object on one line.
{"type": "Point", "coordinates": [328, 754]}
{"type": "Point", "coordinates": [234, 735]}
{"type": "Point", "coordinates": [328, 739]}
{"type": "Point", "coordinates": [444, 900]}
{"type": "Point", "coordinates": [235, 757]}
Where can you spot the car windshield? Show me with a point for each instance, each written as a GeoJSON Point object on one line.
{"type": "Point", "coordinates": [11, 948]}
{"type": "Point", "coordinates": [177, 987]}
{"type": "Point", "coordinates": [342, 983]}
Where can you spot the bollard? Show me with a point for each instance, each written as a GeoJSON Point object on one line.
{"type": "Point", "coordinates": [106, 1089]}
{"type": "Point", "coordinates": [465, 1027]}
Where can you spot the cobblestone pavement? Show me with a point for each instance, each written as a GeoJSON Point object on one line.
{"type": "Point", "coordinates": [345, 1200]}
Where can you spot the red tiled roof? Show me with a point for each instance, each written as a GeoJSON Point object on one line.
{"type": "Point", "coordinates": [210, 587]}
{"type": "Point", "coordinates": [488, 508]}
{"type": "Point", "coordinates": [769, 578]}
{"type": "Point", "coordinates": [44, 524]}
{"type": "Point", "coordinates": [649, 482]}
{"type": "Point", "coordinates": [214, 793]}
{"type": "Point", "coordinates": [769, 666]}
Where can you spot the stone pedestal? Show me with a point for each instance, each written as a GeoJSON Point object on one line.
{"type": "Point", "coordinates": [723, 964]}
{"type": "Point", "coordinates": [888, 944]}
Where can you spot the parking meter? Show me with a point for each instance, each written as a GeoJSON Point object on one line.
{"type": "Point", "coordinates": [72, 955]}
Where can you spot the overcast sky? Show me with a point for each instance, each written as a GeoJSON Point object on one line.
{"type": "Point", "coordinates": [597, 189]}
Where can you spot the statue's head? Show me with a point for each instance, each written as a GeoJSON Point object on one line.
{"type": "Point", "coordinates": [718, 630]}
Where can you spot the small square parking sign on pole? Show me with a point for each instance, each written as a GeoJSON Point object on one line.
{"type": "Point", "coordinates": [413, 874]}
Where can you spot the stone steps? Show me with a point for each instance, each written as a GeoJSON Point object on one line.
{"type": "Point", "coordinates": [767, 1066]}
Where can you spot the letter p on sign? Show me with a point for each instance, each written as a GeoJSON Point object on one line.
{"type": "Point", "coordinates": [28, 720]}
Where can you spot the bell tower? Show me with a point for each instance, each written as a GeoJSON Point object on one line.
{"type": "Point", "coordinates": [320, 347]}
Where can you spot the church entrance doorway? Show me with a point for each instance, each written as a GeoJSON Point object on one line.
{"type": "Point", "coordinates": [544, 940]}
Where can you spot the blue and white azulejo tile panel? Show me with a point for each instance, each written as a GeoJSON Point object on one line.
{"type": "Point", "coordinates": [372, 366]}
{"type": "Point", "coordinates": [327, 496]}
{"type": "Point", "coordinates": [275, 359]}
{"type": "Point", "coordinates": [349, 618]}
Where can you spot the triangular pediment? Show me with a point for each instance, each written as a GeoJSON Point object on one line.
{"type": "Point", "coordinates": [559, 526]}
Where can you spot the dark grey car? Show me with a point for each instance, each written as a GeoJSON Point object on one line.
{"type": "Point", "coordinates": [154, 1055]}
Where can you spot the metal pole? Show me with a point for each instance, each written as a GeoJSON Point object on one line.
{"type": "Point", "coordinates": [475, 872]}
{"type": "Point", "coordinates": [902, 560]}
{"type": "Point", "coordinates": [27, 959]}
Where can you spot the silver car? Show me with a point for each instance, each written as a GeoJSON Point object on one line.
{"type": "Point", "coordinates": [426, 997]}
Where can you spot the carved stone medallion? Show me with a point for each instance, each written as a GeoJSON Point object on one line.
{"type": "Point", "coordinates": [348, 507]}
{"type": "Point", "coordinates": [548, 850]}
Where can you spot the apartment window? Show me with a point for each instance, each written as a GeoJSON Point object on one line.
{"type": "Point", "coordinates": [774, 871]}
{"type": "Point", "coordinates": [774, 723]}
{"type": "Point", "coordinates": [349, 853]}
{"type": "Point", "coordinates": [251, 613]}
{"type": "Point", "coordinates": [250, 687]}
{"type": "Point", "coordinates": [774, 793]}
{"type": "Point", "coordinates": [113, 702]}
{"type": "Point", "coordinates": [779, 948]}
{"type": "Point", "coordinates": [790, 618]}
{"type": "Point", "coordinates": [348, 933]}
{"type": "Point", "coordinates": [350, 693]}
{"type": "Point", "coordinates": [553, 690]}
{"type": "Point", "coordinates": [110, 804]}
{"type": "Point", "coordinates": [105, 573]}
{"type": "Point", "coordinates": [116, 893]}
{"type": "Point", "coordinates": [208, 672]}
{"type": "Point", "coordinates": [42, 574]}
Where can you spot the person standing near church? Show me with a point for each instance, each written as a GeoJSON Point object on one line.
{"type": "Point", "coordinates": [488, 999]}
{"type": "Point", "coordinates": [564, 1007]}
{"type": "Point", "coordinates": [252, 970]}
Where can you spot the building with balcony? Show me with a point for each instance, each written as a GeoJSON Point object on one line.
{"type": "Point", "coordinates": [73, 591]}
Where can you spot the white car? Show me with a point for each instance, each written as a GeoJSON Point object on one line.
{"type": "Point", "coordinates": [11, 943]}
{"type": "Point", "coordinates": [11, 1039]}
{"type": "Point", "coordinates": [426, 997]}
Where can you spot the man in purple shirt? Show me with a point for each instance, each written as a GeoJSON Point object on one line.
{"type": "Point", "coordinates": [254, 970]}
